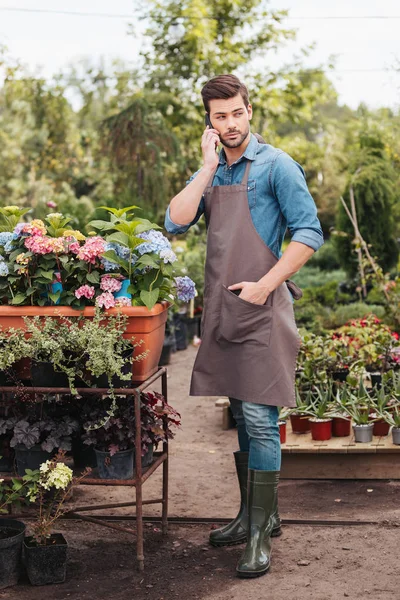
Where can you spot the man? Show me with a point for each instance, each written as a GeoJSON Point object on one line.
{"type": "Point", "coordinates": [250, 194]}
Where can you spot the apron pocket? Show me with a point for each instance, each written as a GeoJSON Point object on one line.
{"type": "Point", "coordinates": [243, 321]}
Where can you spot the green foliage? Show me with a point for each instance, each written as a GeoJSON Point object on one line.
{"type": "Point", "coordinates": [311, 276]}
{"type": "Point", "coordinates": [373, 180]}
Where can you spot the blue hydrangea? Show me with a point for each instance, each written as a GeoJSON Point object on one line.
{"type": "Point", "coordinates": [156, 242]}
{"type": "Point", "coordinates": [3, 268]}
{"type": "Point", "coordinates": [5, 236]}
{"type": "Point", "coordinates": [120, 251]}
{"type": "Point", "coordinates": [185, 288]}
{"type": "Point", "coordinates": [168, 256]}
{"type": "Point", "coordinates": [9, 247]}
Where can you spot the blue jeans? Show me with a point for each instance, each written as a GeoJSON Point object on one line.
{"type": "Point", "coordinates": [258, 433]}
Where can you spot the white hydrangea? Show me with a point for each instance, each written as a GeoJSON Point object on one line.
{"type": "Point", "coordinates": [58, 477]}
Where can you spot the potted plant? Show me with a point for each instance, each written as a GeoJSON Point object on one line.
{"type": "Point", "coordinates": [299, 418]}
{"type": "Point", "coordinates": [127, 268]}
{"type": "Point", "coordinates": [320, 413]}
{"type": "Point", "coordinates": [45, 552]}
{"type": "Point", "coordinates": [114, 437]}
{"type": "Point", "coordinates": [12, 531]}
{"type": "Point", "coordinates": [341, 421]}
{"type": "Point", "coordinates": [283, 416]}
{"type": "Point", "coordinates": [381, 404]}
{"type": "Point", "coordinates": [37, 433]}
{"type": "Point", "coordinates": [359, 409]}
{"type": "Point", "coordinates": [392, 418]}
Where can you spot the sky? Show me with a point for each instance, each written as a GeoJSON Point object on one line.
{"type": "Point", "coordinates": [365, 49]}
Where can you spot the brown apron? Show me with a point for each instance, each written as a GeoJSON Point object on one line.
{"type": "Point", "coordinates": [248, 351]}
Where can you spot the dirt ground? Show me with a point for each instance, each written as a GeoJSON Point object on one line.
{"type": "Point", "coordinates": [308, 562]}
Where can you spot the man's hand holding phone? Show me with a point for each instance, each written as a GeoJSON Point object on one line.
{"type": "Point", "coordinates": [209, 143]}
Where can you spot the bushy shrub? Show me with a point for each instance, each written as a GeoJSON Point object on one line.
{"type": "Point", "coordinates": [326, 258]}
{"type": "Point", "coordinates": [356, 310]}
{"type": "Point", "coordinates": [310, 276]}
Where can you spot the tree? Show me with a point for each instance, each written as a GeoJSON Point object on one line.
{"type": "Point", "coordinates": [373, 182]}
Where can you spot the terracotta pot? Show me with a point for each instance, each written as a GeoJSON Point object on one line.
{"type": "Point", "coordinates": [300, 424]}
{"type": "Point", "coordinates": [381, 428]}
{"type": "Point", "coordinates": [282, 431]}
{"type": "Point", "coordinates": [341, 426]}
{"type": "Point", "coordinates": [143, 324]}
{"type": "Point", "coordinates": [321, 429]}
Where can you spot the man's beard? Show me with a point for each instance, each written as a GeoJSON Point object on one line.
{"type": "Point", "coordinates": [237, 142]}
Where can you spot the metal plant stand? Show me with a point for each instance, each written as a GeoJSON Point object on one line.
{"type": "Point", "coordinates": [160, 458]}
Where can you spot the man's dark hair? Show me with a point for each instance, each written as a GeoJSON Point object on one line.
{"type": "Point", "coordinates": [223, 87]}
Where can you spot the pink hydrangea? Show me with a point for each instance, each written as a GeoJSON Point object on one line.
{"type": "Point", "coordinates": [123, 301]}
{"type": "Point", "coordinates": [41, 244]}
{"type": "Point", "coordinates": [105, 300]}
{"type": "Point", "coordinates": [87, 291]}
{"type": "Point", "coordinates": [73, 245]}
{"type": "Point", "coordinates": [35, 227]}
{"type": "Point", "coordinates": [91, 249]}
{"type": "Point", "coordinates": [110, 284]}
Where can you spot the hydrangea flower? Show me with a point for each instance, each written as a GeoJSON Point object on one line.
{"type": "Point", "coordinates": [91, 249]}
{"type": "Point", "coordinates": [105, 300]}
{"type": "Point", "coordinates": [120, 251]}
{"type": "Point", "coordinates": [87, 291]}
{"type": "Point", "coordinates": [5, 237]}
{"type": "Point", "coordinates": [74, 233]}
{"type": "Point", "coordinates": [35, 227]}
{"type": "Point", "coordinates": [185, 288]}
{"type": "Point", "coordinates": [9, 247]}
{"type": "Point", "coordinates": [168, 256]}
{"type": "Point", "coordinates": [110, 284]}
{"type": "Point", "coordinates": [156, 242]}
{"type": "Point", "coordinates": [18, 230]}
{"type": "Point", "coordinates": [58, 477]}
{"type": "Point", "coordinates": [123, 301]}
{"type": "Point", "coordinates": [3, 269]}
{"type": "Point", "coordinates": [41, 244]}
{"type": "Point", "coordinates": [51, 204]}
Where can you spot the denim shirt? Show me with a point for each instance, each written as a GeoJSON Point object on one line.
{"type": "Point", "coordinates": [277, 194]}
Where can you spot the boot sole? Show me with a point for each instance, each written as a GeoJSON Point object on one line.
{"type": "Point", "coordinates": [274, 534]}
{"type": "Point", "coordinates": [250, 575]}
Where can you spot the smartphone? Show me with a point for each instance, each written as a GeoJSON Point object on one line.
{"type": "Point", "coordinates": [208, 121]}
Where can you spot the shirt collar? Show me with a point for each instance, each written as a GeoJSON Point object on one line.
{"type": "Point", "coordinates": [249, 153]}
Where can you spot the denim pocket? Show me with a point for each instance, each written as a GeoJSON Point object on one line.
{"type": "Point", "coordinates": [251, 192]}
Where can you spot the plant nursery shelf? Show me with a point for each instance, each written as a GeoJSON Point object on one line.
{"type": "Point", "coordinates": [142, 474]}
{"type": "Point", "coordinates": [339, 458]}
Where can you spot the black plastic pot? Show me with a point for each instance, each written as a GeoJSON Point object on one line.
{"type": "Point", "coordinates": [46, 564]}
{"type": "Point", "coordinates": [7, 378]}
{"type": "Point", "coordinates": [165, 357]}
{"type": "Point", "coordinates": [117, 382]}
{"type": "Point", "coordinates": [83, 455]}
{"type": "Point", "coordinates": [6, 454]}
{"type": "Point", "coordinates": [376, 379]}
{"type": "Point", "coordinates": [339, 375]}
{"type": "Point", "coordinates": [193, 327]}
{"type": "Point", "coordinates": [118, 466]}
{"type": "Point", "coordinates": [30, 458]}
{"type": "Point", "coordinates": [147, 459]}
{"type": "Point", "coordinates": [44, 375]}
{"type": "Point", "coordinates": [180, 331]}
{"type": "Point", "coordinates": [11, 537]}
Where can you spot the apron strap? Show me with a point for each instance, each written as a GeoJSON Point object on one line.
{"type": "Point", "coordinates": [246, 173]}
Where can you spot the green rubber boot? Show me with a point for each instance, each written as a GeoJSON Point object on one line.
{"type": "Point", "coordinates": [262, 499]}
{"type": "Point", "coordinates": [236, 531]}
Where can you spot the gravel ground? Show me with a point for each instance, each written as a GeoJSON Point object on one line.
{"type": "Point", "coordinates": [308, 562]}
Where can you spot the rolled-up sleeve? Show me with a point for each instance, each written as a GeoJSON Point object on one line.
{"type": "Point", "coordinates": [296, 203]}
{"type": "Point", "coordinates": [174, 228]}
